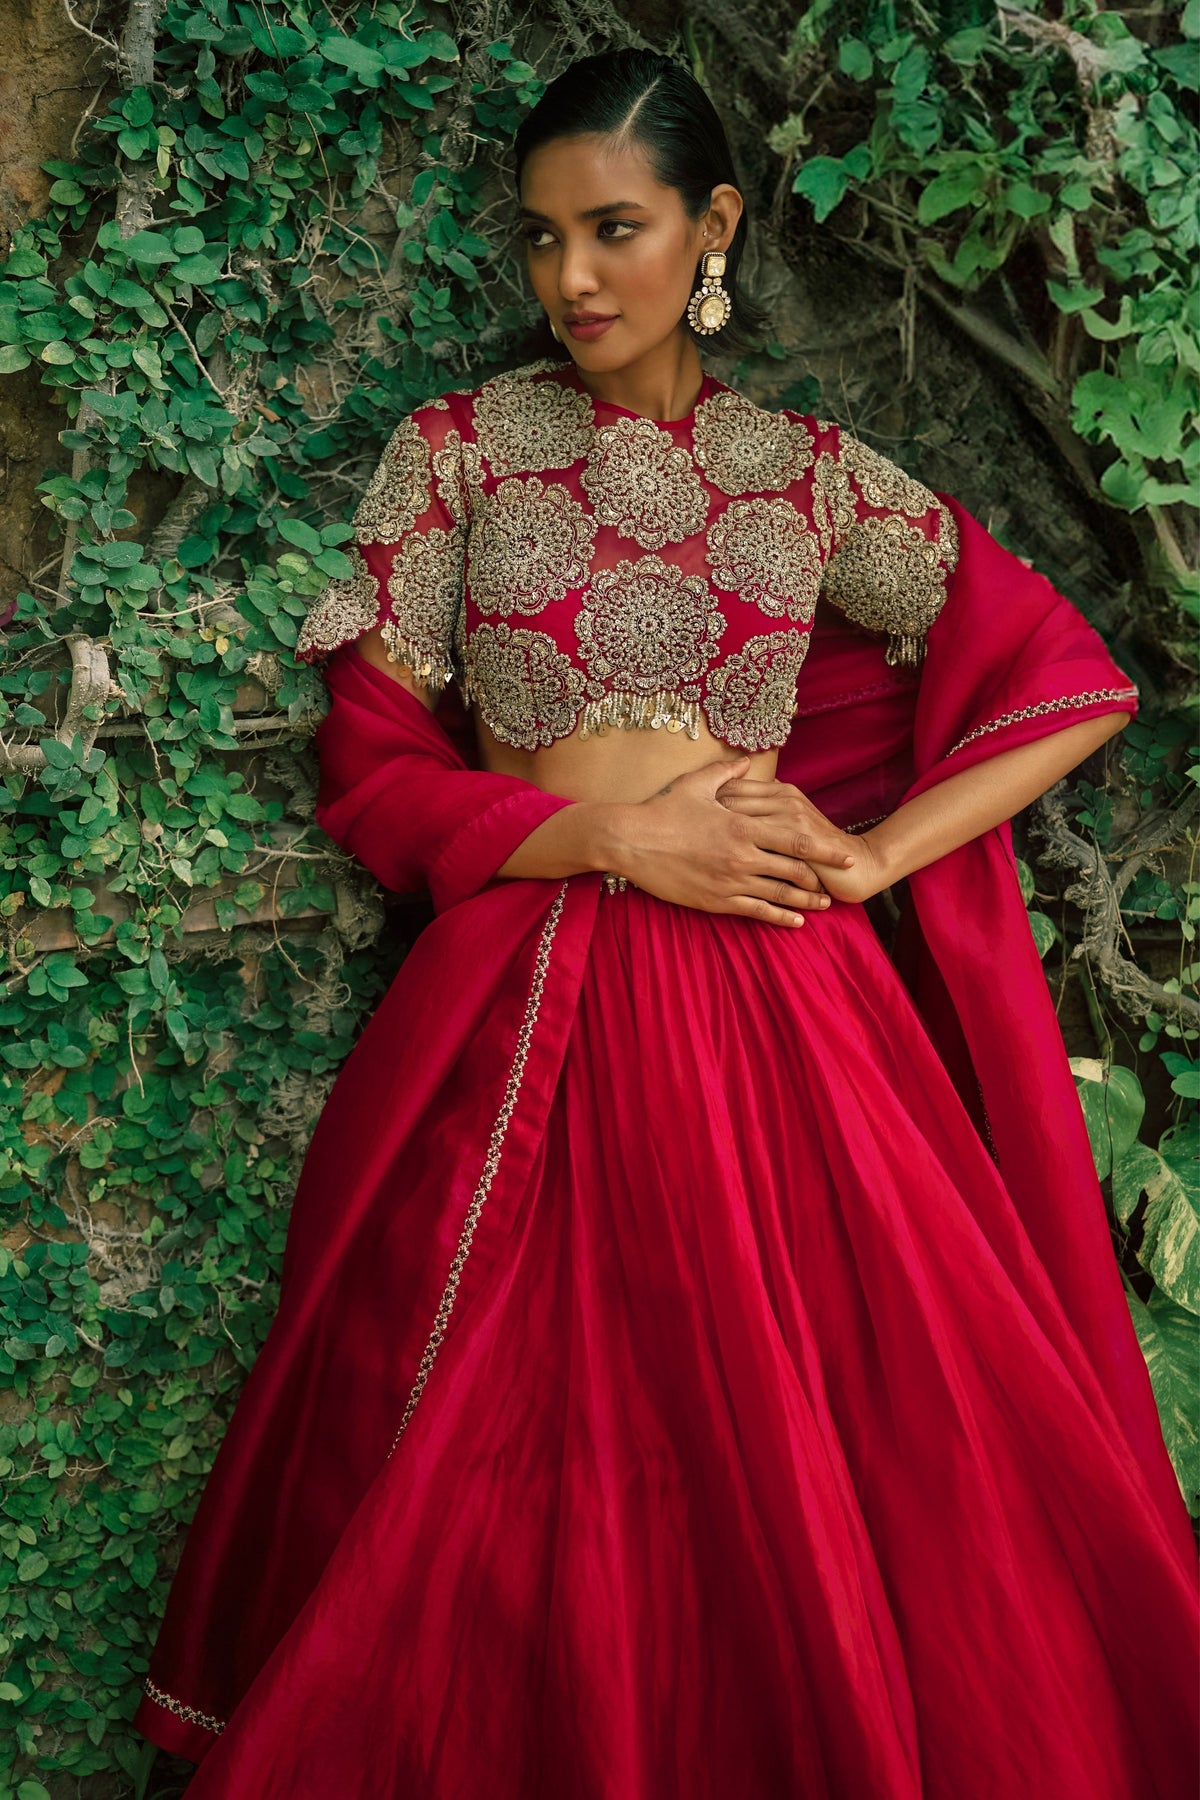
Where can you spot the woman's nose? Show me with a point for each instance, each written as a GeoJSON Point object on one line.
{"type": "Point", "coordinates": [576, 275]}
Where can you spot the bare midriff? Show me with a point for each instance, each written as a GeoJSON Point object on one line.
{"type": "Point", "coordinates": [621, 766]}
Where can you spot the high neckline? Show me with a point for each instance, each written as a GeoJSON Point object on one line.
{"type": "Point", "coordinates": [708, 386]}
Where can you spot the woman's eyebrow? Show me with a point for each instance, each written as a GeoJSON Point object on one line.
{"type": "Point", "coordinates": [593, 212]}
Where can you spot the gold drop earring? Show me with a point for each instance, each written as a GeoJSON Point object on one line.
{"type": "Point", "coordinates": [553, 333]}
{"type": "Point", "coordinates": [710, 306]}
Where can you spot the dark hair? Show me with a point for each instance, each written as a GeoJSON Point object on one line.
{"type": "Point", "coordinates": [657, 103]}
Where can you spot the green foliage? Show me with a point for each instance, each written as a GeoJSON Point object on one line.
{"type": "Point", "coordinates": [258, 262]}
{"type": "Point", "coordinates": [1038, 169]}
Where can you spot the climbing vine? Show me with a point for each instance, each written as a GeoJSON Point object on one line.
{"type": "Point", "coordinates": [267, 249]}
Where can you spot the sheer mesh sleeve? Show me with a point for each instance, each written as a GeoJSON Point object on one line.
{"type": "Point", "coordinates": [408, 553]}
{"type": "Point", "coordinates": [891, 546]}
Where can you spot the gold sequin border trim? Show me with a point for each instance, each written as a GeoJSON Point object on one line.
{"type": "Point", "coordinates": [491, 1165]}
{"type": "Point", "coordinates": [1042, 707]}
{"type": "Point", "coordinates": [170, 1704]}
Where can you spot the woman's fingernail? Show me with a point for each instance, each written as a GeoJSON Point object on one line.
{"type": "Point", "coordinates": [825, 899]}
{"type": "Point", "coordinates": [846, 861]}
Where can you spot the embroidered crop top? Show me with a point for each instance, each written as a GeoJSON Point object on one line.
{"type": "Point", "coordinates": [570, 563]}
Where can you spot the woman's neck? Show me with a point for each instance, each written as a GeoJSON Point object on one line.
{"type": "Point", "coordinates": [663, 385]}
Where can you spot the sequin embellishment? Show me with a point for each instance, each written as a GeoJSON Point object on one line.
{"type": "Point", "coordinates": [648, 631]}
{"type": "Point", "coordinates": [531, 544]}
{"type": "Point", "coordinates": [425, 587]}
{"type": "Point", "coordinates": [528, 692]}
{"type": "Point", "coordinates": [194, 1717]}
{"type": "Point", "coordinates": [744, 449]}
{"type": "Point", "coordinates": [752, 693]}
{"type": "Point", "coordinates": [523, 427]}
{"type": "Point", "coordinates": [1041, 708]}
{"type": "Point", "coordinates": [640, 480]}
{"type": "Point", "coordinates": [888, 576]}
{"type": "Point", "coordinates": [762, 550]}
{"type": "Point", "coordinates": [399, 491]}
{"type": "Point", "coordinates": [344, 610]}
{"type": "Point", "coordinates": [884, 484]}
{"type": "Point", "coordinates": [491, 1167]}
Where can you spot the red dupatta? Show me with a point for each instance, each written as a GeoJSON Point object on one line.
{"type": "Point", "coordinates": [1008, 660]}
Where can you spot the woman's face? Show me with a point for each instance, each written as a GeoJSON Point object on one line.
{"type": "Point", "coordinates": [612, 253]}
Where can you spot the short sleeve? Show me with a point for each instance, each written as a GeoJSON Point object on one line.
{"type": "Point", "coordinates": [408, 554]}
{"type": "Point", "coordinates": [891, 545]}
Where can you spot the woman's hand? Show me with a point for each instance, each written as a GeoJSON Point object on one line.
{"type": "Point", "coordinates": [686, 845]}
{"type": "Point", "coordinates": [790, 815]}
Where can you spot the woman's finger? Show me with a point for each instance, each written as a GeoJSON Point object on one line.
{"type": "Point", "coordinates": [815, 846]}
{"type": "Point", "coordinates": [779, 892]}
{"type": "Point", "coordinates": [773, 865]}
{"type": "Point", "coordinates": [745, 787]}
{"type": "Point", "coordinates": [750, 907]}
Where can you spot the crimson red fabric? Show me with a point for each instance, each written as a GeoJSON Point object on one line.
{"type": "Point", "coordinates": [676, 1385]}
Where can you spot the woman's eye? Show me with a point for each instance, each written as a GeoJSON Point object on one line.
{"type": "Point", "coordinates": [536, 236]}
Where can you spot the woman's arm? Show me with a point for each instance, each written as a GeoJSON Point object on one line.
{"type": "Point", "coordinates": [950, 813]}
{"type": "Point", "coordinates": [681, 844]}
{"type": "Point", "coordinates": [964, 806]}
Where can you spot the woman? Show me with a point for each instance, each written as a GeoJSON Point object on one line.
{"type": "Point", "coordinates": [701, 1365]}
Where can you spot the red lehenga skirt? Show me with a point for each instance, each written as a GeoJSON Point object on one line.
{"type": "Point", "coordinates": [753, 1456]}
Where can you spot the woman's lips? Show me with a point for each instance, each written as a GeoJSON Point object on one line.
{"type": "Point", "coordinates": [589, 328]}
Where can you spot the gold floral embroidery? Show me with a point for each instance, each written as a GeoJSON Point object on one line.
{"type": "Point", "coordinates": [531, 544]}
{"type": "Point", "coordinates": [528, 692]}
{"type": "Point", "coordinates": [491, 1167]}
{"type": "Point", "coordinates": [425, 586]}
{"type": "Point", "coordinates": [948, 538]}
{"type": "Point", "coordinates": [640, 480]}
{"type": "Point", "coordinates": [523, 426]}
{"type": "Point", "coordinates": [647, 627]}
{"type": "Point", "coordinates": [343, 610]}
{"type": "Point", "coordinates": [1042, 708]}
{"type": "Point", "coordinates": [884, 484]}
{"type": "Point", "coordinates": [743, 448]}
{"type": "Point", "coordinates": [832, 501]}
{"type": "Point", "coordinates": [190, 1713]}
{"type": "Point", "coordinates": [458, 470]}
{"type": "Point", "coordinates": [751, 694]}
{"type": "Point", "coordinates": [763, 550]}
{"type": "Point", "coordinates": [888, 576]}
{"type": "Point", "coordinates": [671, 708]}
{"type": "Point", "coordinates": [398, 492]}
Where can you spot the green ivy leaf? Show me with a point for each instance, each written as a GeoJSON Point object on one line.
{"type": "Point", "coordinates": [149, 247]}
{"type": "Point", "coordinates": [822, 180]}
{"type": "Point", "coordinates": [949, 192]}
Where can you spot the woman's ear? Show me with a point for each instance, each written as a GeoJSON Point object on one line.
{"type": "Point", "coordinates": [724, 210]}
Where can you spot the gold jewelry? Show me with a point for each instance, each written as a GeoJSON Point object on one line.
{"type": "Point", "coordinates": [710, 306]}
{"type": "Point", "coordinates": [616, 884]}
{"type": "Point", "coordinates": [553, 333]}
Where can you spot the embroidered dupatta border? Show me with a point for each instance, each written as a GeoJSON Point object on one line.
{"type": "Point", "coordinates": [1041, 707]}
{"type": "Point", "coordinates": [491, 1165]}
{"type": "Point", "coordinates": [491, 1168]}
{"type": "Point", "coordinates": [170, 1704]}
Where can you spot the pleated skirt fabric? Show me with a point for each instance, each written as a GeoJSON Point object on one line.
{"type": "Point", "coordinates": [760, 1461]}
